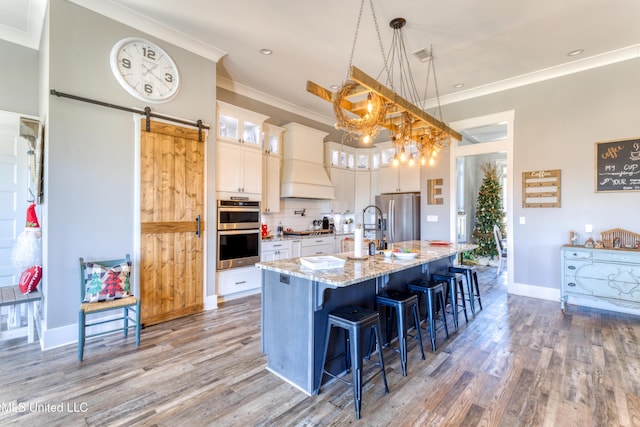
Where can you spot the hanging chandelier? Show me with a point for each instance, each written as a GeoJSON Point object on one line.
{"type": "Point", "coordinates": [363, 105]}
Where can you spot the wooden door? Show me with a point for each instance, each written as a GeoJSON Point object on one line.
{"type": "Point", "coordinates": [171, 214]}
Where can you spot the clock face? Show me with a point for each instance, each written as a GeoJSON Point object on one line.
{"type": "Point", "coordinates": [144, 70]}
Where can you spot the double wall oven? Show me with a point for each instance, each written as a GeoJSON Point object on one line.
{"type": "Point", "coordinates": [238, 233]}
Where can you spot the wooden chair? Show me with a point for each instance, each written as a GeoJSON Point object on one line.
{"type": "Point", "coordinates": [500, 246]}
{"type": "Point", "coordinates": [126, 304]}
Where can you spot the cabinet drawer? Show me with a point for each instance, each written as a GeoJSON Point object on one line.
{"type": "Point", "coordinates": [316, 250]}
{"type": "Point", "coordinates": [576, 254]}
{"type": "Point", "coordinates": [602, 287]}
{"type": "Point", "coordinates": [623, 257]}
{"type": "Point", "coordinates": [315, 241]}
{"type": "Point", "coordinates": [238, 280]}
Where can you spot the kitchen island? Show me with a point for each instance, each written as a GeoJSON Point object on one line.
{"type": "Point", "coordinates": [297, 300]}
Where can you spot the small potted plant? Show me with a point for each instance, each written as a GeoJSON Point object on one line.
{"type": "Point", "coordinates": [347, 225]}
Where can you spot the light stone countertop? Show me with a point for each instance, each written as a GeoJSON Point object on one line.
{"type": "Point", "coordinates": [356, 271]}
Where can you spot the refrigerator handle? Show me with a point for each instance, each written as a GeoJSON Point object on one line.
{"type": "Point", "coordinates": [392, 220]}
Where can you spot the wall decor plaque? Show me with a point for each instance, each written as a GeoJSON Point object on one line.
{"type": "Point", "coordinates": [541, 189]}
{"type": "Point", "coordinates": [618, 165]}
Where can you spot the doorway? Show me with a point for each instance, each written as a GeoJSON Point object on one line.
{"type": "Point", "coordinates": [484, 138]}
{"type": "Point", "coordinates": [171, 218]}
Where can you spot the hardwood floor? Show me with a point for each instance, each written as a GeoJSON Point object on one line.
{"type": "Point", "coordinates": [519, 362]}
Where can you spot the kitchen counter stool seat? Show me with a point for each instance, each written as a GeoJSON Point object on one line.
{"type": "Point", "coordinates": [473, 291]}
{"type": "Point", "coordinates": [434, 297]}
{"type": "Point", "coordinates": [453, 279]}
{"type": "Point", "coordinates": [355, 321]}
{"type": "Point", "coordinates": [400, 303]}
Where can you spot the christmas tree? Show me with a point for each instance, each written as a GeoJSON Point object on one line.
{"type": "Point", "coordinates": [488, 211]}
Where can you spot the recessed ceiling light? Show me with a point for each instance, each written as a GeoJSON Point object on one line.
{"type": "Point", "coordinates": [334, 87]}
{"type": "Point", "coordinates": [458, 85]}
{"type": "Point", "coordinates": [575, 52]}
{"type": "Point", "coordinates": [266, 51]}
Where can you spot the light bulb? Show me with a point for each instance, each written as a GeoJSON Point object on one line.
{"type": "Point", "coordinates": [423, 160]}
{"type": "Point", "coordinates": [395, 160]}
{"type": "Point", "coordinates": [366, 139]}
{"type": "Point", "coordinates": [434, 153]}
{"type": "Point", "coordinates": [369, 103]}
{"type": "Point", "coordinates": [431, 161]}
{"type": "Point", "coordinates": [411, 161]}
{"type": "Point", "coordinates": [403, 155]}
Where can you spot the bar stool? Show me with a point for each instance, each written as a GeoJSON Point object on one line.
{"type": "Point", "coordinates": [473, 291]}
{"type": "Point", "coordinates": [355, 321]}
{"type": "Point", "coordinates": [453, 279]}
{"type": "Point", "coordinates": [400, 302]}
{"type": "Point", "coordinates": [434, 295]}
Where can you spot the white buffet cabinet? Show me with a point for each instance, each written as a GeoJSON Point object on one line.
{"type": "Point", "coordinates": [602, 278]}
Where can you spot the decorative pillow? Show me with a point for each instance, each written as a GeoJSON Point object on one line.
{"type": "Point", "coordinates": [29, 279]}
{"type": "Point", "coordinates": [107, 283]}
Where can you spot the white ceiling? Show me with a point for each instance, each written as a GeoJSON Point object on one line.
{"type": "Point", "coordinates": [488, 45]}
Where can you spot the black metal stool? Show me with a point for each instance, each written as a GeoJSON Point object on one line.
{"type": "Point", "coordinates": [401, 302]}
{"type": "Point", "coordinates": [473, 291]}
{"type": "Point", "coordinates": [433, 294]}
{"type": "Point", "coordinates": [453, 279]}
{"type": "Point", "coordinates": [355, 321]}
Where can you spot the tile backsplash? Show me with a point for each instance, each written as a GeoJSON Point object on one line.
{"type": "Point", "coordinates": [313, 209]}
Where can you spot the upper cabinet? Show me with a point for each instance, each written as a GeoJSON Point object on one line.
{"type": "Point", "coordinates": [236, 124]}
{"type": "Point", "coordinates": [239, 152]}
{"type": "Point", "coordinates": [271, 144]}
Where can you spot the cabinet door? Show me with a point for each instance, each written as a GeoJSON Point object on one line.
{"type": "Point", "coordinates": [344, 182]}
{"type": "Point", "coordinates": [388, 182]}
{"type": "Point", "coordinates": [267, 256]}
{"type": "Point", "coordinates": [296, 248]}
{"type": "Point", "coordinates": [229, 173]}
{"type": "Point", "coordinates": [362, 190]}
{"type": "Point", "coordinates": [409, 178]}
{"type": "Point", "coordinates": [375, 186]}
{"type": "Point", "coordinates": [252, 170]}
{"type": "Point", "coordinates": [270, 183]}
{"type": "Point", "coordinates": [284, 253]}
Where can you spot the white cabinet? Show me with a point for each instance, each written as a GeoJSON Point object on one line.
{"type": "Point", "coordinates": [237, 282]}
{"type": "Point", "coordinates": [238, 125]}
{"type": "Point", "coordinates": [399, 179]}
{"type": "Point", "coordinates": [314, 246]}
{"type": "Point", "coordinates": [344, 183]}
{"type": "Point", "coordinates": [239, 170]}
{"type": "Point", "coordinates": [272, 137]}
{"type": "Point", "coordinates": [362, 190]}
{"type": "Point", "coordinates": [276, 250]}
{"type": "Point", "coordinates": [296, 248]}
{"type": "Point", "coordinates": [608, 275]}
{"type": "Point", "coordinates": [270, 183]}
{"type": "Point", "coordinates": [239, 152]}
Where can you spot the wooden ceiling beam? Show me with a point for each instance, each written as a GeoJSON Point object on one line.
{"type": "Point", "coordinates": [369, 82]}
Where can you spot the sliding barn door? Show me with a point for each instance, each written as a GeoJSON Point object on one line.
{"type": "Point", "coordinates": [171, 216]}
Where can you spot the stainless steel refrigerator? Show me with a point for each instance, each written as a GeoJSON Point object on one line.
{"type": "Point", "coordinates": [401, 215]}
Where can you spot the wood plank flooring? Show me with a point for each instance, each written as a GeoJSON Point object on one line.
{"type": "Point", "coordinates": [519, 362]}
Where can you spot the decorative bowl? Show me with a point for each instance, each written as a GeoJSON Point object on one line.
{"type": "Point", "coordinates": [405, 255]}
{"type": "Point", "coordinates": [387, 252]}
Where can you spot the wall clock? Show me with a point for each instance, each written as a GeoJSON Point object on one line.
{"type": "Point", "coordinates": [145, 70]}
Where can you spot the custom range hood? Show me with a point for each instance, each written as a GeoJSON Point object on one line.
{"type": "Point", "coordinates": [303, 174]}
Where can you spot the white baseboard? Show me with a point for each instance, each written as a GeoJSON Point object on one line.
{"type": "Point", "coordinates": [211, 303]}
{"type": "Point", "coordinates": [549, 294]}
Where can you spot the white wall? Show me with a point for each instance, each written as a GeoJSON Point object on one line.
{"type": "Point", "coordinates": [89, 200]}
{"type": "Point", "coordinates": [18, 79]}
{"type": "Point", "coordinates": [557, 123]}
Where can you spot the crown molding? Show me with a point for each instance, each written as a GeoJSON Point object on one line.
{"type": "Point", "coordinates": [260, 96]}
{"type": "Point", "coordinates": [601, 60]}
{"type": "Point", "coordinates": [140, 22]}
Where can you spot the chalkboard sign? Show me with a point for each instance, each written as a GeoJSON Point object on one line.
{"type": "Point", "coordinates": [618, 165]}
